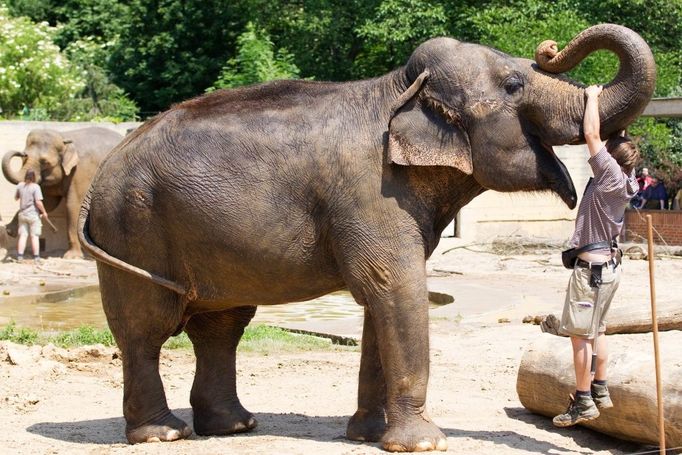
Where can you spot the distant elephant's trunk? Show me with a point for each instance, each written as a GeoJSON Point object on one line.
{"type": "Point", "coordinates": [11, 175]}
{"type": "Point", "coordinates": [621, 102]}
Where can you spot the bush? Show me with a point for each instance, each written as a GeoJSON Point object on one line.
{"type": "Point", "coordinates": [34, 74]}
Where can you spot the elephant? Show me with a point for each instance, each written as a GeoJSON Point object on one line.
{"type": "Point", "coordinates": [289, 190]}
{"type": "Point", "coordinates": [64, 163]}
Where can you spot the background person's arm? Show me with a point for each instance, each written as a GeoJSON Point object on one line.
{"type": "Point", "coordinates": [41, 207]}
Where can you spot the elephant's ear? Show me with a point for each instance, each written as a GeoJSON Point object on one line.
{"type": "Point", "coordinates": [424, 132]}
{"type": "Point", "coordinates": [69, 157]}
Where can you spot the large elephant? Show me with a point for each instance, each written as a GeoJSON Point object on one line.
{"type": "Point", "coordinates": [64, 163]}
{"type": "Point", "coordinates": [293, 189]}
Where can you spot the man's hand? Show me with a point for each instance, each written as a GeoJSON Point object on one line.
{"type": "Point", "coordinates": [593, 90]}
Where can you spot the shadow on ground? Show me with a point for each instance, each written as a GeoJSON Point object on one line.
{"type": "Point", "coordinates": [331, 429]}
{"type": "Point", "coordinates": [584, 437]}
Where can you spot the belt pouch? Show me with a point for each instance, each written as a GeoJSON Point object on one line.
{"type": "Point", "coordinates": [595, 275]}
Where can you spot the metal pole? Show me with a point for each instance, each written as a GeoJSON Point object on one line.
{"type": "Point", "coordinates": [654, 324]}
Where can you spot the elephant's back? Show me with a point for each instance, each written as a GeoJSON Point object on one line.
{"type": "Point", "coordinates": [96, 141]}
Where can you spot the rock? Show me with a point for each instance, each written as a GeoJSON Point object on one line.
{"type": "Point", "coordinates": [504, 320]}
{"type": "Point", "coordinates": [20, 356]}
{"type": "Point", "coordinates": [527, 319]}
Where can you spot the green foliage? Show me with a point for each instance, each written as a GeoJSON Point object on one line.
{"type": "Point", "coordinates": [100, 99]}
{"type": "Point", "coordinates": [18, 335]}
{"type": "Point", "coordinates": [259, 338]}
{"type": "Point", "coordinates": [172, 50]}
{"type": "Point", "coordinates": [101, 20]}
{"type": "Point", "coordinates": [395, 30]}
{"type": "Point", "coordinates": [33, 72]}
{"type": "Point", "coordinates": [263, 339]}
{"type": "Point", "coordinates": [82, 336]}
{"type": "Point", "coordinates": [660, 144]}
{"type": "Point", "coordinates": [256, 61]}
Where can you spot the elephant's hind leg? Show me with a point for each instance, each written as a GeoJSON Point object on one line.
{"type": "Point", "coordinates": [142, 316]}
{"type": "Point", "coordinates": [215, 336]}
{"type": "Point", "coordinates": [369, 421]}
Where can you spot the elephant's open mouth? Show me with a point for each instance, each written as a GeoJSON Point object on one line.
{"type": "Point", "coordinates": [559, 179]}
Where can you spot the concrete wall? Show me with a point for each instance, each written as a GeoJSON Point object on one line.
{"type": "Point", "coordinates": [13, 137]}
{"type": "Point", "coordinates": [542, 215]}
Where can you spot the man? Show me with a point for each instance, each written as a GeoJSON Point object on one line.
{"type": "Point", "coordinates": [596, 274]}
{"type": "Point", "coordinates": [31, 208]}
{"type": "Point", "coordinates": [654, 197]}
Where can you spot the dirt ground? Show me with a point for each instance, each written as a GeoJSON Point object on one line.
{"type": "Point", "coordinates": [69, 401]}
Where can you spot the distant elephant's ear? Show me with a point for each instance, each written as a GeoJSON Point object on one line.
{"type": "Point", "coordinates": [424, 132]}
{"type": "Point", "coordinates": [69, 157]}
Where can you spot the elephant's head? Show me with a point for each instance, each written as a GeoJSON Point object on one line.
{"type": "Point", "coordinates": [48, 153]}
{"type": "Point", "coordinates": [497, 117]}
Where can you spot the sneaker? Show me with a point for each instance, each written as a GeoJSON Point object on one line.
{"type": "Point", "coordinates": [601, 397]}
{"type": "Point", "coordinates": [20, 258]}
{"type": "Point", "coordinates": [580, 409]}
{"type": "Point", "coordinates": [550, 324]}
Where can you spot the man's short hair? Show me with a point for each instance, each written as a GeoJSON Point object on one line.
{"type": "Point", "coordinates": [30, 176]}
{"type": "Point", "coordinates": [624, 151]}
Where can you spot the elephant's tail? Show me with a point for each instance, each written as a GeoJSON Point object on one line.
{"type": "Point", "coordinates": [99, 254]}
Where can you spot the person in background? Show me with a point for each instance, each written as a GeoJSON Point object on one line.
{"type": "Point", "coordinates": [654, 197]}
{"type": "Point", "coordinates": [644, 180]}
{"type": "Point", "coordinates": [677, 200]}
{"type": "Point", "coordinates": [31, 208]}
{"type": "Point", "coordinates": [596, 273]}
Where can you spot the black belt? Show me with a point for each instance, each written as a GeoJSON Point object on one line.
{"type": "Point", "coordinates": [586, 265]}
{"type": "Point", "coordinates": [596, 269]}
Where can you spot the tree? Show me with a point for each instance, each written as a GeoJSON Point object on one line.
{"type": "Point", "coordinates": [396, 29]}
{"type": "Point", "coordinates": [34, 74]}
{"type": "Point", "coordinates": [172, 50]}
{"type": "Point", "coordinates": [256, 61]}
{"type": "Point", "coordinates": [100, 98]}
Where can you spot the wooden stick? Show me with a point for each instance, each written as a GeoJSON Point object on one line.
{"type": "Point", "coordinates": [49, 223]}
{"type": "Point", "coordinates": [654, 323]}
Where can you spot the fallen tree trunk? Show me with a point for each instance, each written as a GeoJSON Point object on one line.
{"type": "Point", "coordinates": [637, 318]}
{"type": "Point", "coordinates": [546, 377]}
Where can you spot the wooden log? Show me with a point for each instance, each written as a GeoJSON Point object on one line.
{"type": "Point", "coordinates": [546, 377]}
{"type": "Point", "coordinates": [637, 318]}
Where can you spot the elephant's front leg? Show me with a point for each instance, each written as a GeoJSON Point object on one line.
{"type": "Point", "coordinates": [73, 203]}
{"type": "Point", "coordinates": [215, 336]}
{"type": "Point", "coordinates": [397, 300]}
{"type": "Point", "coordinates": [369, 421]}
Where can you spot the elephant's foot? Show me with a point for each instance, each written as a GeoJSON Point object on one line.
{"type": "Point", "coordinates": [368, 426]}
{"type": "Point", "coordinates": [168, 428]}
{"type": "Point", "coordinates": [73, 254]}
{"type": "Point", "coordinates": [220, 422]}
{"type": "Point", "coordinates": [414, 435]}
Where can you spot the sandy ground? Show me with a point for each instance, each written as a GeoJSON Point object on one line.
{"type": "Point", "coordinates": [69, 401]}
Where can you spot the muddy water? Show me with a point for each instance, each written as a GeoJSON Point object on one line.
{"type": "Point", "coordinates": [72, 308]}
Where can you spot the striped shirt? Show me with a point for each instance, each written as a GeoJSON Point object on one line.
{"type": "Point", "coordinates": [602, 209]}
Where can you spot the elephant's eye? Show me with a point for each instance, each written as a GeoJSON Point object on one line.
{"type": "Point", "coordinates": [513, 85]}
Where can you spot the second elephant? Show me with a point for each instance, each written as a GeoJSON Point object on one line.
{"type": "Point", "coordinates": [64, 163]}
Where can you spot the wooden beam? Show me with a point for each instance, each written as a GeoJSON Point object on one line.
{"type": "Point", "coordinates": [664, 107]}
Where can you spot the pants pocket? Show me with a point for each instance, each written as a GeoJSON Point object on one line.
{"type": "Point", "coordinates": [580, 317]}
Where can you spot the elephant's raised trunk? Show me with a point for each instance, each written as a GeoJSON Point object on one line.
{"type": "Point", "coordinates": [10, 174]}
{"type": "Point", "coordinates": [623, 99]}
